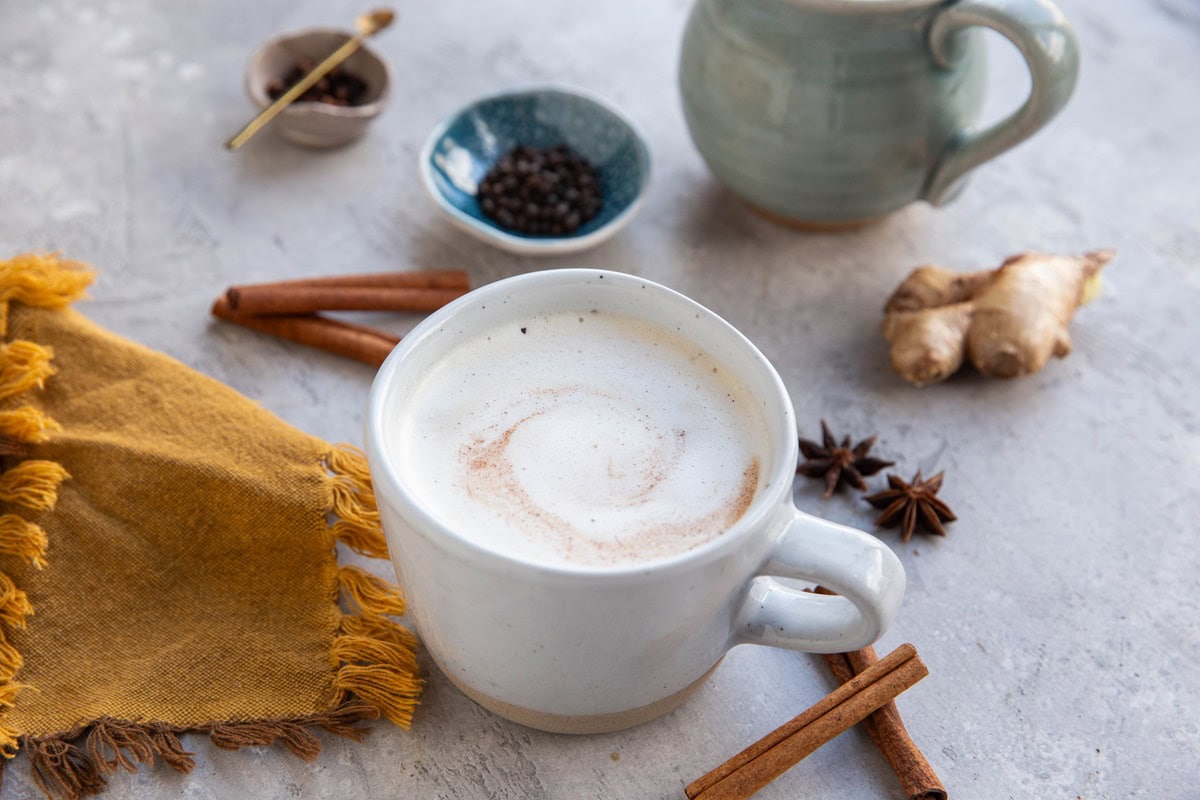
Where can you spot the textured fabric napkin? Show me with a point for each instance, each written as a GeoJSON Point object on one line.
{"type": "Point", "coordinates": [168, 558]}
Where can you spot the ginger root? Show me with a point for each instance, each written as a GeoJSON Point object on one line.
{"type": "Point", "coordinates": [1007, 321]}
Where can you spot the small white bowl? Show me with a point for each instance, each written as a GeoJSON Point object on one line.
{"type": "Point", "coordinates": [463, 148]}
{"type": "Point", "coordinates": [318, 124]}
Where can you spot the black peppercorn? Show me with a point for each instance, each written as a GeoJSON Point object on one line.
{"type": "Point", "coordinates": [541, 192]}
{"type": "Point", "coordinates": [336, 87]}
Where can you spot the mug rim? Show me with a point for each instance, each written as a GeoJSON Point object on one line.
{"type": "Point", "coordinates": [384, 469]}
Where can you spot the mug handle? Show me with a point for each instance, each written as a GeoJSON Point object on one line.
{"type": "Point", "coordinates": [1045, 39]}
{"type": "Point", "coordinates": [860, 568]}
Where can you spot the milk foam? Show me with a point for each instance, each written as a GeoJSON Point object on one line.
{"type": "Point", "coordinates": [582, 438]}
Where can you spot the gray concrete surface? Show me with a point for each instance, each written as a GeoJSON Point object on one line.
{"type": "Point", "coordinates": [1059, 619]}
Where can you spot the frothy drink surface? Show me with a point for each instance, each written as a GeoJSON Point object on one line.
{"type": "Point", "coordinates": [582, 438]}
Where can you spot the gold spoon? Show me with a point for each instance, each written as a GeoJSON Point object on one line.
{"type": "Point", "coordinates": [367, 25]}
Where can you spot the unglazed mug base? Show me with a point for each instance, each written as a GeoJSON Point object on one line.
{"type": "Point", "coordinates": [584, 724]}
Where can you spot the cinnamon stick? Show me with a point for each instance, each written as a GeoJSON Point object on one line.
{"type": "Point", "coordinates": [272, 299]}
{"type": "Point", "coordinates": [768, 758]}
{"type": "Point", "coordinates": [414, 279]}
{"type": "Point", "coordinates": [886, 729]}
{"type": "Point", "coordinates": [333, 336]}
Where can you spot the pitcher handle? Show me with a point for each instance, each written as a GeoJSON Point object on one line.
{"type": "Point", "coordinates": [1046, 40]}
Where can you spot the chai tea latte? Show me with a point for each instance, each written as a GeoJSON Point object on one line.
{"type": "Point", "coordinates": [582, 438]}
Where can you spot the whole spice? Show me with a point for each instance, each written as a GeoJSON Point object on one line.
{"type": "Point", "coordinates": [887, 731]}
{"type": "Point", "coordinates": [839, 464]}
{"type": "Point", "coordinates": [338, 87]}
{"type": "Point", "coordinates": [377, 291]}
{"type": "Point", "coordinates": [1007, 322]}
{"type": "Point", "coordinates": [287, 309]}
{"type": "Point", "coordinates": [307, 299]}
{"type": "Point", "coordinates": [843, 708]}
{"type": "Point", "coordinates": [912, 505]}
{"type": "Point", "coordinates": [414, 292]}
{"type": "Point", "coordinates": [358, 342]}
{"type": "Point", "coordinates": [886, 728]}
{"type": "Point", "coordinates": [547, 192]}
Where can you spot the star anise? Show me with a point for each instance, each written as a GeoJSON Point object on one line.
{"type": "Point", "coordinates": [912, 505]}
{"type": "Point", "coordinates": [840, 464]}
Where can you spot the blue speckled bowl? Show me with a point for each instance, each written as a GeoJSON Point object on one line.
{"type": "Point", "coordinates": [463, 148]}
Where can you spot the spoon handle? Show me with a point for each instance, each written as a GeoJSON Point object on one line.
{"type": "Point", "coordinates": [303, 85]}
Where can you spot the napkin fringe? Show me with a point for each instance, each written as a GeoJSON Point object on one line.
{"type": "Point", "coordinates": [47, 281]}
{"type": "Point", "coordinates": [376, 657]}
{"type": "Point", "coordinates": [75, 764]}
{"type": "Point", "coordinates": [27, 424]}
{"type": "Point", "coordinates": [32, 484]}
{"type": "Point", "coordinates": [24, 366]}
{"type": "Point", "coordinates": [24, 539]}
{"type": "Point", "coordinates": [353, 503]}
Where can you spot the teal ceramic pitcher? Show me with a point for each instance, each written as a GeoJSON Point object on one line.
{"type": "Point", "coordinates": [834, 112]}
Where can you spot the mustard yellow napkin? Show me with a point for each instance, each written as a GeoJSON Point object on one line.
{"type": "Point", "coordinates": [168, 558]}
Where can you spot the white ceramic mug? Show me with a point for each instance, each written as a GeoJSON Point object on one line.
{"type": "Point", "coordinates": [584, 649]}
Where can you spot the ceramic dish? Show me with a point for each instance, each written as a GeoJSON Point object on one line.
{"type": "Point", "coordinates": [463, 148]}
{"type": "Point", "coordinates": [318, 124]}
